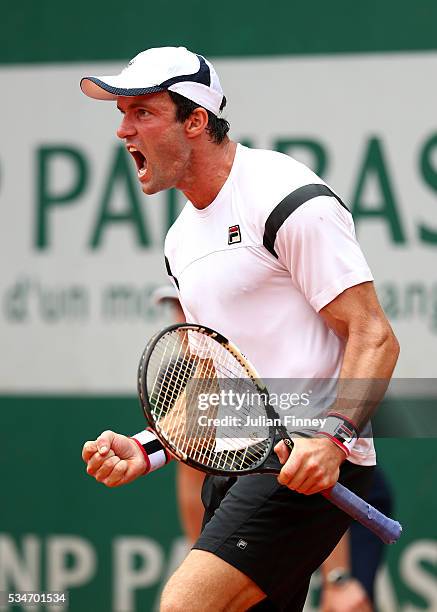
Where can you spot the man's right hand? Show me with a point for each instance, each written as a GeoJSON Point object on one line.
{"type": "Point", "coordinates": [113, 459]}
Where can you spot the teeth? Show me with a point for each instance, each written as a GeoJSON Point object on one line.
{"type": "Point", "coordinates": [141, 171]}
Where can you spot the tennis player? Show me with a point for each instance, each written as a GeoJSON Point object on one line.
{"type": "Point", "coordinates": [349, 573]}
{"type": "Point", "coordinates": [265, 252]}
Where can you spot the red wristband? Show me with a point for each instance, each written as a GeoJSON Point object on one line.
{"type": "Point", "coordinates": [146, 456]}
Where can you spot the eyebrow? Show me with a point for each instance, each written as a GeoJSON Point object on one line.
{"type": "Point", "coordinates": [133, 105]}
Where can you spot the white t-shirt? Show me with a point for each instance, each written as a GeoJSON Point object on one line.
{"type": "Point", "coordinates": [257, 264]}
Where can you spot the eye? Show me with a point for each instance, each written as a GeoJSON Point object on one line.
{"type": "Point", "coordinates": [142, 112]}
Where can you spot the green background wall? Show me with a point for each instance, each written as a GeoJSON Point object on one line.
{"type": "Point", "coordinates": [51, 31]}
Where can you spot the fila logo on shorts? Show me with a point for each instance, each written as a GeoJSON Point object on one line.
{"type": "Point", "coordinates": [242, 544]}
{"type": "Point", "coordinates": [234, 234]}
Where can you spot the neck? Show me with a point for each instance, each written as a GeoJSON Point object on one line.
{"type": "Point", "coordinates": [209, 167]}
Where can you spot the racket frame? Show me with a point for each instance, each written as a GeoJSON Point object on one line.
{"type": "Point", "coordinates": [256, 468]}
{"type": "Point", "coordinates": [384, 527]}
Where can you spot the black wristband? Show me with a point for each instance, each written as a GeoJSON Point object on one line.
{"type": "Point", "coordinates": [341, 431]}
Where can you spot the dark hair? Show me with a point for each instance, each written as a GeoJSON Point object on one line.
{"type": "Point", "coordinates": [217, 127]}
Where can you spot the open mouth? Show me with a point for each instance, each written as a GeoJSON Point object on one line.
{"type": "Point", "coordinates": [140, 161]}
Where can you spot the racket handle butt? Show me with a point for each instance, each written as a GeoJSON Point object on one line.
{"type": "Point", "coordinates": [387, 529]}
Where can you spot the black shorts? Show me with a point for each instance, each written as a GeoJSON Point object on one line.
{"type": "Point", "coordinates": [275, 536]}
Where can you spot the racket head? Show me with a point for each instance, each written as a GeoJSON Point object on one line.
{"type": "Point", "coordinates": [167, 365]}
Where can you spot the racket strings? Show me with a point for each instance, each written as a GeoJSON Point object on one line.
{"type": "Point", "coordinates": [185, 365]}
{"type": "Point", "coordinates": [224, 363]}
{"type": "Point", "coordinates": [171, 355]}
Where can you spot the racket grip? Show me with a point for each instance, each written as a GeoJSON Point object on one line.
{"type": "Point", "coordinates": [384, 527]}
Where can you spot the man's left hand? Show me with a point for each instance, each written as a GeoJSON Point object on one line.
{"type": "Point", "coordinates": [312, 466]}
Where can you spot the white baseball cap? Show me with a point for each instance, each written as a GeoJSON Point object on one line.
{"type": "Point", "coordinates": [160, 69]}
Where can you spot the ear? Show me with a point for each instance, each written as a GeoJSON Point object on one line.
{"type": "Point", "coordinates": [196, 123]}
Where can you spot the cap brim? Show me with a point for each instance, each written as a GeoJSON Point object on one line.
{"type": "Point", "coordinates": [94, 87]}
{"type": "Point", "coordinates": [108, 88]}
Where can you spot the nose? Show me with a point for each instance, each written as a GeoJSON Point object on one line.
{"type": "Point", "coordinates": [126, 128]}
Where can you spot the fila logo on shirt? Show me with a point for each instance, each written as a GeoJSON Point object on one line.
{"type": "Point", "coordinates": [234, 234]}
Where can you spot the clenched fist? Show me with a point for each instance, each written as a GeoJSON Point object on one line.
{"type": "Point", "coordinates": [312, 466]}
{"type": "Point", "coordinates": [114, 459]}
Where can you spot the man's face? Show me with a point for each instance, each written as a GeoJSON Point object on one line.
{"type": "Point", "coordinates": [154, 138]}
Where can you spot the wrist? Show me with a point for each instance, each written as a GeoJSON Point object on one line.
{"type": "Point", "coordinates": [154, 453]}
{"type": "Point", "coordinates": [341, 431]}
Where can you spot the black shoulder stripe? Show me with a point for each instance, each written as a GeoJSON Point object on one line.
{"type": "Point", "coordinates": [167, 266]}
{"type": "Point", "coordinates": [287, 206]}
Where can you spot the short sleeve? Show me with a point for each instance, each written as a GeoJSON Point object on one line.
{"type": "Point", "coordinates": [318, 246]}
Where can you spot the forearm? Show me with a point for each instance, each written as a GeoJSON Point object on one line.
{"type": "Point", "coordinates": [370, 354]}
{"type": "Point", "coordinates": [369, 360]}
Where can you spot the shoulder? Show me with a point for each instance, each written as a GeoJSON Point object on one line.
{"type": "Point", "coordinates": [311, 215]}
{"type": "Point", "coordinates": [267, 177]}
{"type": "Point", "coordinates": [320, 208]}
{"type": "Point", "coordinates": [275, 187]}
{"type": "Point", "coordinates": [275, 171]}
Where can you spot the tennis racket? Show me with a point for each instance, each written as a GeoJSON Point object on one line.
{"type": "Point", "coordinates": [184, 373]}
